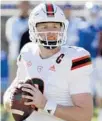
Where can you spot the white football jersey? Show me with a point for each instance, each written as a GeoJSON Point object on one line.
{"type": "Point", "coordinates": [64, 74]}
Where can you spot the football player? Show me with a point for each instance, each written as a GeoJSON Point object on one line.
{"type": "Point", "coordinates": [65, 71]}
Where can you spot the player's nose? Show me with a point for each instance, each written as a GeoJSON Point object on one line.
{"type": "Point", "coordinates": [51, 36]}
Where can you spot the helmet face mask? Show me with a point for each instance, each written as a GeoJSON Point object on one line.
{"type": "Point", "coordinates": [49, 41]}
{"type": "Point", "coordinates": [50, 38]}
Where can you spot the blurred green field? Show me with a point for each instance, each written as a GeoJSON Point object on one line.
{"type": "Point", "coordinates": [8, 117]}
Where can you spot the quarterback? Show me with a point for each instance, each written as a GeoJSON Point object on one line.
{"type": "Point", "coordinates": [65, 71]}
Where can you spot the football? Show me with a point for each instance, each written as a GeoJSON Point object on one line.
{"type": "Point", "coordinates": [20, 111]}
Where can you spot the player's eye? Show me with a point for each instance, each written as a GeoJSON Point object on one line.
{"type": "Point", "coordinates": [45, 27]}
{"type": "Point", "coordinates": [58, 26]}
{"type": "Point", "coordinates": [55, 27]}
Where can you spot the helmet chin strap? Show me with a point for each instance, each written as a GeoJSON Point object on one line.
{"type": "Point", "coordinates": [49, 44]}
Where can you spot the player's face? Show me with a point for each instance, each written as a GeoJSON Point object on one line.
{"type": "Point", "coordinates": [49, 30]}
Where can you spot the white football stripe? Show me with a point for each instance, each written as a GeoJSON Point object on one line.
{"type": "Point", "coordinates": [15, 111]}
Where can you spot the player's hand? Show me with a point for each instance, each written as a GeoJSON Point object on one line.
{"type": "Point", "coordinates": [37, 98]}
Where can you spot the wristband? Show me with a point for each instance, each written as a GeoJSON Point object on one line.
{"type": "Point", "coordinates": [50, 107]}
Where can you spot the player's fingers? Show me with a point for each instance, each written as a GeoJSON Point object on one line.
{"type": "Point", "coordinates": [19, 86]}
{"type": "Point", "coordinates": [29, 103]}
{"type": "Point", "coordinates": [28, 97]}
{"type": "Point", "coordinates": [28, 90]}
{"type": "Point", "coordinates": [36, 86]}
{"type": "Point", "coordinates": [29, 86]}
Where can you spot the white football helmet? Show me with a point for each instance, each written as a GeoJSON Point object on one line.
{"type": "Point", "coordinates": [47, 12]}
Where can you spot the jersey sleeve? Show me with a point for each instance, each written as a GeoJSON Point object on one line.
{"type": "Point", "coordinates": [22, 73]}
{"type": "Point", "coordinates": [20, 76]}
{"type": "Point", "coordinates": [81, 70]}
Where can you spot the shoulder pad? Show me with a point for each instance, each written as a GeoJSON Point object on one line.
{"type": "Point", "coordinates": [29, 47]}
{"type": "Point", "coordinates": [26, 51]}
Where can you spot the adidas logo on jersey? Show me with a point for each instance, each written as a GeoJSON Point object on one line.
{"type": "Point", "coordinates": [52, 68]}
